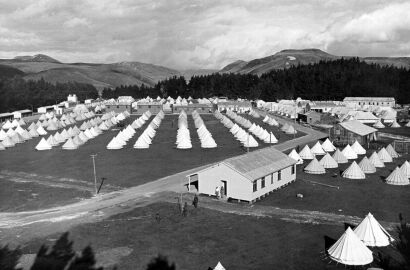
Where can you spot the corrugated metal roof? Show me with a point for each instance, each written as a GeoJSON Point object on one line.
{"type": "Point", "coordinates": [369, 99]}
{"type": "Point", "coordinates": [357, 127]}
{"type": "Point", "coordinates": [259, 163]}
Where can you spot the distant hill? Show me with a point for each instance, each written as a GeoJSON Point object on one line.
{"type": "Point", "coordinates": [189, 73]}
{"type": "Point", "coordinates": [99, 75]}
{"type": "Point", "coordinates": [9, 72]}
{"type": "Point", "coordinates": [36, 58]}
{"type": "Point", "coordinates": [287, 58]}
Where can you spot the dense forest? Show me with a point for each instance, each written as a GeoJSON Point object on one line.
{"type": "Point", "coordinates": [326, 80]}
{"type": "Point", "coordinates": [17, 93]}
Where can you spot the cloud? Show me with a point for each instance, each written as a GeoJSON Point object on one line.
{"type": "Point", "coordinates": [200, 34]}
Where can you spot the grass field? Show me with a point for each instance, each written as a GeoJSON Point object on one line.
{"type": "Point", "coordinates": [354, 197]}
{"type": "Point", "coordinates": [403, 131]}
{"type": "Point", "coordinates": [204, 238]}
{"type": "Point", "coordinates": [126, 167]}
{"type": "Point", "coordinates": [31, 196]}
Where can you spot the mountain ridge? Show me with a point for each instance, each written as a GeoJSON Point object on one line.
{"type": "Point", "coordinates": [292, 57]}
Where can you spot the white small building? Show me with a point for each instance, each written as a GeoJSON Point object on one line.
{"type": "Point", "coordinates": [22, 113]}
{"type": "Point", "coordinates": [247, 177]}
{"type": "Point", "coordinates": [72, 98]}
{"type": "Point", "coordinates": [365, 101]}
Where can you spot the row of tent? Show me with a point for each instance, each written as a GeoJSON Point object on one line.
{"type": "Point", "coordinates": [183, 140]}
{"type": "Point", "coordinates": [352, 247]}
{"type": "Point", "coordinates": [394, 124]}
{"type": "Point", "coordinates": [256, 130]}
{"type": "Point", "coordinates": [270, 121]}
{"type": "Point", "coordinates": [123, 136]}
{"type": "Point", "coordinates": [246, 139]}
{"type": "Point", "coordinates": [207, 141]}
{"type": "Point", "coordinates": [145, 139]}
{"type": "Point", "coordinates": [400, 176]}
{"type": "Point", "coordinates": [20, 135]}
{"type": "Point", "coordinates": [75, 137]}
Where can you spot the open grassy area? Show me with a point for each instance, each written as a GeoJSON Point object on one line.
{"type": "Point", "coordinates": [354, 197]}
{"type": "Point", "coordinates": [204, 238]}
{"type": "Point", "coordinates": [128, 166]}
{"type": "Point", "coordinates": [403, 131]}
{"type": "Point", "coordinates": [30, 196]}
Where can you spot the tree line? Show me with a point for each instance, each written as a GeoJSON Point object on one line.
{"type": "Point", "coordinates": [17, 93]}
{"type": "Point", "coordinates": [325, 80]}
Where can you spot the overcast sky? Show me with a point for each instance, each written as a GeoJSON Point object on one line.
{"type": "Point", "coordinates": [200, 34]}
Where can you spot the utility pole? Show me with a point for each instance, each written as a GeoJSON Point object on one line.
{"type": "Point", "coordinates": [95, 174]}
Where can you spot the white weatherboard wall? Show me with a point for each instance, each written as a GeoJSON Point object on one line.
{"type": "Point", "coordinates": [240, 187]}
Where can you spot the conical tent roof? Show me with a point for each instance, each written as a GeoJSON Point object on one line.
{"type": "Point", "coordinates": [69, 145]}
{"type": "Point", "coordinates": [371, 233]}
{"type": "Point", "coordinates": [293, 154]}
{"type": "Point", "coordinates": [328, 162]}
{"type": "Point", "coordinates": [358, 148]}
{"type": "Point", "coordinates": [378, 124]}
{"type": "Point", "coordinates": [376, 161]}
{"type": "Point", "coordinates": [317, 149]}
{"type": "Point", "coordinates": [219, 266]}
{"type": "Point", "coordinates": [408, 124]}
{"type": "Point", "coordinates": [328, 146]}
{"type": "Point", "coordinates": [8, 142]}
{"type": "Point", "coordinates": [339, 157]}
{"type": "Point", "coordinates": [114, 144]}
{"type": "Point", "coordinates": [395, 124]}
{"type": "Point", "coordinates": [290, 130]}
{"type": "Point", "coordinates": [314, 167]}
{"type": "Point", "coordinates": [43, 145]}
{"type": "Point", "coordinates": [349, 153]}
{"type": "Point", "coordinates": [367, 166]}
{"type": "Point", "coordinates": [384, 155]}
{"type": "Point", "coordinates": [40, 130]}
{"type": "Point", "coordinates": [391, 151]}
{"type": "Point", "coordinates": [350, 250]}
{"type": "Point", "coordinates": [397, 178]}
{"type": "Point", "coordinates": [405, 168]}
{"type": "Point", "coordinates": [306, 153]}
{"type": "Point", "coordinates": [354, 172]}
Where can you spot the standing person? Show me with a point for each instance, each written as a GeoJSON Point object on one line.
{"type": "Point", "coordinates": [217, 192]}
{"type": "Point", "coordinates": [195, 202]}
{"type": "Point", "coordinates": [222, 191]}
{"type": "Point", "coordinates": [185, 210]}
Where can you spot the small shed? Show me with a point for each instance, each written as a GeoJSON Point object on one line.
{"type": "Point", "coordinates": [236, 106]}
{"type": "Point", "coordinates": [350, 131]}
{"type": "Point", "coordinates": [118, 107]}
{"type": "Point", "coordinates": [247, 177]}
{"type": "Point", "coordinates": [189, 108]}
{"type": "Point", "coordinates": [22, 113]}
{"type": "Point", "coordinates": [310, 117]}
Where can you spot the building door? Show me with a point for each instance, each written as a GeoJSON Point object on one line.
{"type": "Point", "coordinates": [225, 185]}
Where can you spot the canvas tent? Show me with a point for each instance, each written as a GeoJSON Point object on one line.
{"type": "Point", "coordinates": [328, 146]}
{"type": "Point", "coordinates": [349, 153]}
{"type": "Point", "coordinates": [358, 148]}
{"type": "Point", "coordinates": [306, 153]}
{"type": "Point", "coordinates": [293, 154]}
{"type": "Point", "coordinates": [339, 157]}
{"type": "Point", "coordinates": [391, 151]}
{"type": "Point", "coordinates": [328, 162]}
{"type": "Point", "coordinates": [354, 172]}
{"type": "Point", "coordinates": [371, 233]}
{"type": "Point", "coordinates": [219, 266]}
{"type": "Point", "coordinates": [384, 155]}
{"type": "Point", "coordinates": [350, 250]}
{"type": "Point", "coordinates": [397, 178]}
{"type": "Point", "coordinates": [317, 149]}
{"type": "Point", "coordinates": [367, 166]}
{"type": "Point", "coordinates": [376, 161]}
{"type": "Point", "coordinates": [314, 167]}
{"type": "Point", "coordinates": [405, 168]}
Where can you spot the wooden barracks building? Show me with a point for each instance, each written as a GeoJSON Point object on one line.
{"type": "Point", "coordinates": [247, 177]}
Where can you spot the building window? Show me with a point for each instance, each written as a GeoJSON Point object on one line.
{"type": "Point", "coordinates": [271, 178]}
{"type": "Point", "coordinates": [293, 169]}
{"type": "Point", "coordinates": [262, 182]}
{"type": "Point", "coordinates": [279, 175]}
{"type": "Point", "coordinates": [255, 186]}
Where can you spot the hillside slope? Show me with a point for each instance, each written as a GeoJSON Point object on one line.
{"type": "Point", "coordinates": [288, 58]}
{"type": "Point", "coordinates": [99, 75]}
